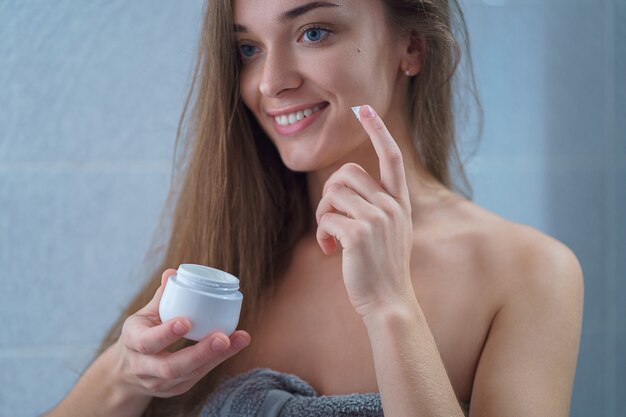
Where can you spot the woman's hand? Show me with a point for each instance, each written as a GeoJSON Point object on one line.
{"type": "Point", "coordinates": [146, 367]}
{"type": "Point", "coordinates": [374, 227]}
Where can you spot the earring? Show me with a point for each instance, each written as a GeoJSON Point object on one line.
{"type": "Point", "coordinates": [407, 72]}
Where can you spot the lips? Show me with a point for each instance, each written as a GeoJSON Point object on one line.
{"type": "Point", "coordinates": [300, 125]}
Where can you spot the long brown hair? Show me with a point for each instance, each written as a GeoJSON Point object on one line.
{"type": "Point", "coordinates": [234, 205]}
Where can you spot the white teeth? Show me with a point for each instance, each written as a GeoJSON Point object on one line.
{"type": "Point", "coordinates": [291, 118]}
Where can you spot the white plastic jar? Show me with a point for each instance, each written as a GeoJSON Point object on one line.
{"type": "Point", "coordinates": [208, 297]}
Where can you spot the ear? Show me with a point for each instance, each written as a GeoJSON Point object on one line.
{"type": "Point", "coordinates": [413, 54]}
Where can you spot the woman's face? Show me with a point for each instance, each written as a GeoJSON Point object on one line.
{"type": "Point", "coordinates": [309, 62]}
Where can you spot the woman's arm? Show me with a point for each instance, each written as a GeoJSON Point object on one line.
{"type": "Point", "coordinates": [529, 360]}
{"type": "Point", "coordinates": [410, 374]}
{"type": "Point", "coordinates": [101, 392]}
{"type": "Point", "coordinates": [372, 221]}
{"type": "Point", "coordinates": [528, 363]}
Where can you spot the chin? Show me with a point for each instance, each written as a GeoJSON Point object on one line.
{"type": "Point", "coordinates": [301, 166]}
{"type": "Point", "coordinates": [298, 159]}
{"type": "Point", "coordinates": [313, 154]}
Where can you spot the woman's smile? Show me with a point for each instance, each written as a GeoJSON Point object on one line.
{"type": "Point", "coordinates": [292, 123]}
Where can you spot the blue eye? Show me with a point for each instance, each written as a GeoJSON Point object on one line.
{"type": "Point", "coordinates": [246, 48]}
{"type": "Point", "coordinates": [315, 34]}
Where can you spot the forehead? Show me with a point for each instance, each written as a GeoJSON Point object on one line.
{"type": "Point", "coordinates": [250, 14]}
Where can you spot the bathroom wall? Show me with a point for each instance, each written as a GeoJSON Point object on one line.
{"type": "Point", "coordinates": [553, 155]}
{"type": "Point", "coordinates": [90, 96]}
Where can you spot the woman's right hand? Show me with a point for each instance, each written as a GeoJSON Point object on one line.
{"type": "Point", "coordinates": [146, 366]}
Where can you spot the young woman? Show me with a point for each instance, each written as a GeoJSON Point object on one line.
{"type": "Point", "coordinates": [362, 268]}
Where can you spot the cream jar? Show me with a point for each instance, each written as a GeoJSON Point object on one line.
{"type": "Point", "coordinates": [208, 297]}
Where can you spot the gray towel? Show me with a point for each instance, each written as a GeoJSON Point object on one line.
{"type": "Point", "coordinates": [263, 392]}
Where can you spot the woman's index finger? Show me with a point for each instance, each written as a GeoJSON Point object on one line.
{"type": "Point", "coordinates": [392, 175]}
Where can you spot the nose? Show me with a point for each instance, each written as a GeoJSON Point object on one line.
{"type": "Point", "coordinates": [279, 74]}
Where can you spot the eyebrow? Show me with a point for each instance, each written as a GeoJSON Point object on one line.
{"type": "Point", "coordinates": [292, 14]}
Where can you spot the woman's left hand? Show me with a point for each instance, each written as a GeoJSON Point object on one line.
{"type": "Point", "coordinates": [374, 227]}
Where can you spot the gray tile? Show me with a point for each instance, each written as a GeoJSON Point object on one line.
{"type": "Point", "coordinates": [589, 383]}
{"type": "Point", "coordinates": [619, 251]}
{"type": "Point", "coordinates": [620, 79]}
{"type": "Point", "coordinates": [77, 242]}
{"type": "Point", "coordinates": [90, 96]}
{"type": "Point", "coordinates": [515, 192]}
{"type": "Point", "coordinates": [539, 96]}
{"type": "Point", "coordinates": [81, 88]}
{"type": "Point", "coordinates": [33, 385]}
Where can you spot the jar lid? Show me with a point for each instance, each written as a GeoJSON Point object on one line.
{"type": "Point", "coordinates": [200, 276]}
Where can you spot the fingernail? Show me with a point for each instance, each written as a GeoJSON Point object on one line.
{"type": "Point", "coordinates": [240, 342]}
{"type": "Point", "coordinates": [368, 112]}
{"type": "Point", "coordinates": [355, 110]}
{"type": "Point", "coordinates": [218, 344]}
{"type": "Point", "coordinates": [179, 328]}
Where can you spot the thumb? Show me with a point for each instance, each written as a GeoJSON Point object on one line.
{"type": "Point", "coordinates": [153, 305]}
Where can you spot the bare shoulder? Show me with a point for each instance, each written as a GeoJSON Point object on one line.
{"type": "Point", "coordinates": [509, 255]}
{"type": "Point", "coordinates": [526, 257]}
{"type": "Point", "coordinates": [529, 359]}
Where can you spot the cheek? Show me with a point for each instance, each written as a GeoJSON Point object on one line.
{"type": "Point", "coordinates": [246, 90]}
{"type": "Point", "coordinates": [359, 78]}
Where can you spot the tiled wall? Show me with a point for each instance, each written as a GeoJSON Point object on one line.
{"type": "Point", "coordinates": [90, 95]}
{"type": "Point", "coordinates": [552, 78]}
